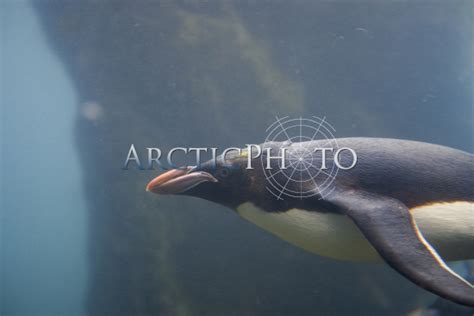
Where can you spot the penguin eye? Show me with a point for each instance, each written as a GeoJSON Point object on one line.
{"type": "Point", "coordinates": [224, 172]}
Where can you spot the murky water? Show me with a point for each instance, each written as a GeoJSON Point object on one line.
{"type": "Point", "coordinates": [82, 81]}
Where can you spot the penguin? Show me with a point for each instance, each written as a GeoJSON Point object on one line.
{"type": "Point", "coordinates": [407, 203]}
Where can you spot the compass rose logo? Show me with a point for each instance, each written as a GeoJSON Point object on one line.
{"type": "Point", "coordinates": [304, 172]}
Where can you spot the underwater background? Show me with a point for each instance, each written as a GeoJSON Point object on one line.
{"type": "Point", "coordinates": [82, 80]}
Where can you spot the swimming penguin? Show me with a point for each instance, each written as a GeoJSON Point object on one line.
{"type": "Point", "coordinates": [407, 203]}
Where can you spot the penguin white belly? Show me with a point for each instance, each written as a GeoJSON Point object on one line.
{"type": "Point", "coordinates": [448, 227]}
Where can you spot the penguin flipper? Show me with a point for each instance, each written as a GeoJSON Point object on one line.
{"type": "Point", "coordinates": [389, 227]}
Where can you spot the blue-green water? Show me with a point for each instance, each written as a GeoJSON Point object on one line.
{"type": "Point", "coordinates": [81, 81]}
{"type": "Point", "coordinates": [43, 225]}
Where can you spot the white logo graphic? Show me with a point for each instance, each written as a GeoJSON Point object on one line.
{"type": "Point", "coordinates": [306, 173]}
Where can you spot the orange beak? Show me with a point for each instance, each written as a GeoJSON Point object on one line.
{"type": "Point", "coordinates": [178, 181]}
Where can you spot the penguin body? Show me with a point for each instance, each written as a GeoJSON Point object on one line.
{"type": "Point", "coordinates": [410, 204]}
{"type": "Point", "coordinates": [435, 182]}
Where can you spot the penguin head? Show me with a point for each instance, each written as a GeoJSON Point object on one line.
{"type": "Point", "coordinates": [229, 183]}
